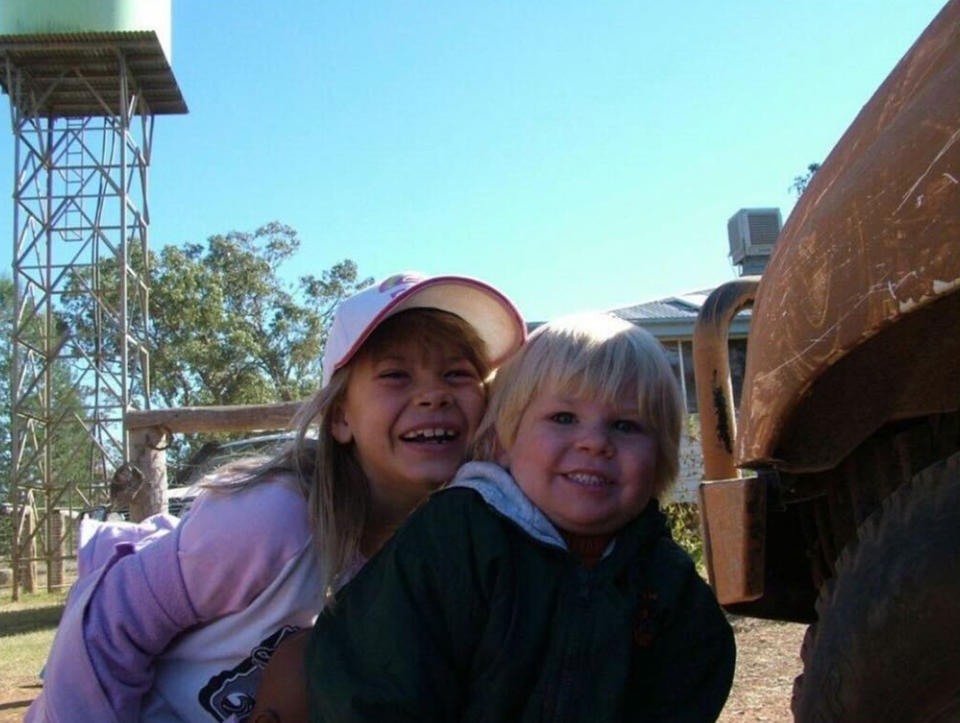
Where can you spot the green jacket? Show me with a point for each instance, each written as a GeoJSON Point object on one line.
{"type": "Point", "coordinates": [476, 611]}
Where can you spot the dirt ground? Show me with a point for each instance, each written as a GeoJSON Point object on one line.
{"type": "Point", "coordinates": [13, 710]}
{"type": "Point", "coordinates": [768, 659]}
{"type": "Point", "coordinates": [767, 662]}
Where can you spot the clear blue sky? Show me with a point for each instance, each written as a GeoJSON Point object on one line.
{"type": "Point", "coordinates": [578, 154]}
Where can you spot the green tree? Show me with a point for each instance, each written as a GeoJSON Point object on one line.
{"type": "Point", "coordinates": [801, 182]}
{"type": "Point", "coordinates": [63, 393]}
{"type": "Point", "coordinates": [6, 358]}
{"type": "Point", "coordinates": [224, 328]}
{"type": "Point", "coordinates": [69, 443]}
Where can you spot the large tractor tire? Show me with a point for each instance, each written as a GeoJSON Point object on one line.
{"type": "Point", "coordinates": [886, 646]}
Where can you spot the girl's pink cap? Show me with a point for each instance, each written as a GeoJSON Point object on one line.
{"type": "Point", "coordinates": [493, 316]}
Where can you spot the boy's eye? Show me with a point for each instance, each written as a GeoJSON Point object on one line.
{"type": "Point", "coordinates": [563, 417]}
{"type": "Point", "coordinates": [627, 426]}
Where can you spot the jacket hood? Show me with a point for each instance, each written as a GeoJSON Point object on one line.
{"type": "Point", "coordinates": [500, 490]}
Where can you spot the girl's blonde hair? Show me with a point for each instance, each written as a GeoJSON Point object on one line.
{"type": "Point", "coordinates": [596, 356]}
{"type": "Point", "coordinates": [329, 474]}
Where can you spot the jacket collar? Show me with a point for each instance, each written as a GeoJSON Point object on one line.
{"type": "Point", "coordinates": [501, 492]}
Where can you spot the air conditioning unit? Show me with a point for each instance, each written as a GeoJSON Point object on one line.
{"type": "Point", "coordinates": [752, 233]}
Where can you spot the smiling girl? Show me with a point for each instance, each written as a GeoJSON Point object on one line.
{"type": "Point", "coordinates": [179, 625]}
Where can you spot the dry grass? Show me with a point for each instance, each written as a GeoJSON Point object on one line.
{"type": "Point", "coordinates": [26, 632]}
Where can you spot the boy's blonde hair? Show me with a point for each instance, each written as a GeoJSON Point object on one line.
{"type": "Point", "coordinates": [330, 476]}
{"type": "Point", "coordinates": [595, 356]}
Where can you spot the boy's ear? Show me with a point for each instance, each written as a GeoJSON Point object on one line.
{"type": "Point", "coordinates": [340, 426]}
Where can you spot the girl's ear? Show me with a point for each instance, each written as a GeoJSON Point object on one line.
{"type": "Point", "coordinates": [500, 453]}
{"type": "Point", "coordinates": [339, 426]}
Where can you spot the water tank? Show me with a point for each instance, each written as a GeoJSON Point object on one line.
{"type": "Point", "coordinates": [39, 17]}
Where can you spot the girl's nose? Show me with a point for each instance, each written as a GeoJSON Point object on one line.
{"type": "Point", "coordinates": [433, 395]}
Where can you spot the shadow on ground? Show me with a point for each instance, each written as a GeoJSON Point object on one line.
{"type": "Point", "coordinates": [16, 704]}
{"type": "Point", "coordinates": [16, 622]}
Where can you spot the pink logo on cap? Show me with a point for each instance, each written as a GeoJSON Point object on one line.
{"type": "Point", "coordinates": [404, 280]}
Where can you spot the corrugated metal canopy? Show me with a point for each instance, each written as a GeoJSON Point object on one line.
{"type": "Point", "coordinates": [77, 74]}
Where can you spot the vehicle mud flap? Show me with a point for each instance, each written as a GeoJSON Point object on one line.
{"type": "Point", "coordinates": [733, 512]}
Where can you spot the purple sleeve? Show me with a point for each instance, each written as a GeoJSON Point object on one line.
{"type": "Point", "coordinates": [232, 546]}
{"type": "Point", "coordinates": [96, 540]}
{"type": "Point", "coordinates": [115, 621]}
{"type": "Point", "coordinates": [221, 556]}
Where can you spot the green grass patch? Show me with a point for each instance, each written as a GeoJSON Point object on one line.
{"type": "Point", "coordinates": [25, 654]}
{"type": "Point", "coordinates": [27, 628]}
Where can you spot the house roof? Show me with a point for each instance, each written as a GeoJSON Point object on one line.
{"type": "Point", "coordinates": [671, 307]}
{"type": "Point", "coordinates": [673, 317]}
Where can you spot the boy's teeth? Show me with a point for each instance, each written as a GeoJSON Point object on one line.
{"type": "Point", "coordinates": [587, 479]}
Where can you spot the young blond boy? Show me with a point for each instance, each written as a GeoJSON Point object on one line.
{"type": "Point", "coordinates": [542, 584]}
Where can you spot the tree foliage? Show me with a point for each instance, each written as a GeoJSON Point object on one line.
{"type": "Point", "coordinates": [6, 357]}
{"type": "Point", "coordinates": [224, 328]}
{"type": "Point", "coordinates": [801, 182]}
{"type": "Point", "coordinates": [70, 445]}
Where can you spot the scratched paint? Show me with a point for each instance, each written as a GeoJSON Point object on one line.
{"type": "Point", "coordinates": [873, 240]}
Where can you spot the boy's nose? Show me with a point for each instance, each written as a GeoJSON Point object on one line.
{"type": "Point", "coordinates": [596, 440]}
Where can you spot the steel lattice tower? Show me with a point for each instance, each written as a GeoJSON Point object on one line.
{"type": "Point", "coordinates": [82, 113]}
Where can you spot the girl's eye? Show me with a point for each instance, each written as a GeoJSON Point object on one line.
{"type": "Point", "coordinates": [393, 374]}
{"type": "Point", "coordinates": [563, 417]}
{"type": "Point", "coordinates": [463, 373]}
{"type": "Point", "coordinates": [627, 426]}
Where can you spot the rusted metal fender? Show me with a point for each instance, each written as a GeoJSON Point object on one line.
{"type": "Point", "coordinates": [873, 242]}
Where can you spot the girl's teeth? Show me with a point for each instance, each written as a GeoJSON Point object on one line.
{"type": "Point", "coordinates": [437, 433]}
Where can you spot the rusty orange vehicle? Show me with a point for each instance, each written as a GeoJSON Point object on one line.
{"type": "Point", "coordinates": [848, 517]}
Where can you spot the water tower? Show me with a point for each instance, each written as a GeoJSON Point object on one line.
{"type": "Point", "coordinates": [85, 79]}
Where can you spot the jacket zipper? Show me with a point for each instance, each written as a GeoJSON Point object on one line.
{"type": "Point", "coordinates": [572, 671]}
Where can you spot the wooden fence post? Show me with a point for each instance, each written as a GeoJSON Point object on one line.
{"type": "Point", "coordinates": [147, 453]}
{"type": "Point", "coordinates": [27, 542]}
{"type": "Point", "coordinates": [57, 550]}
